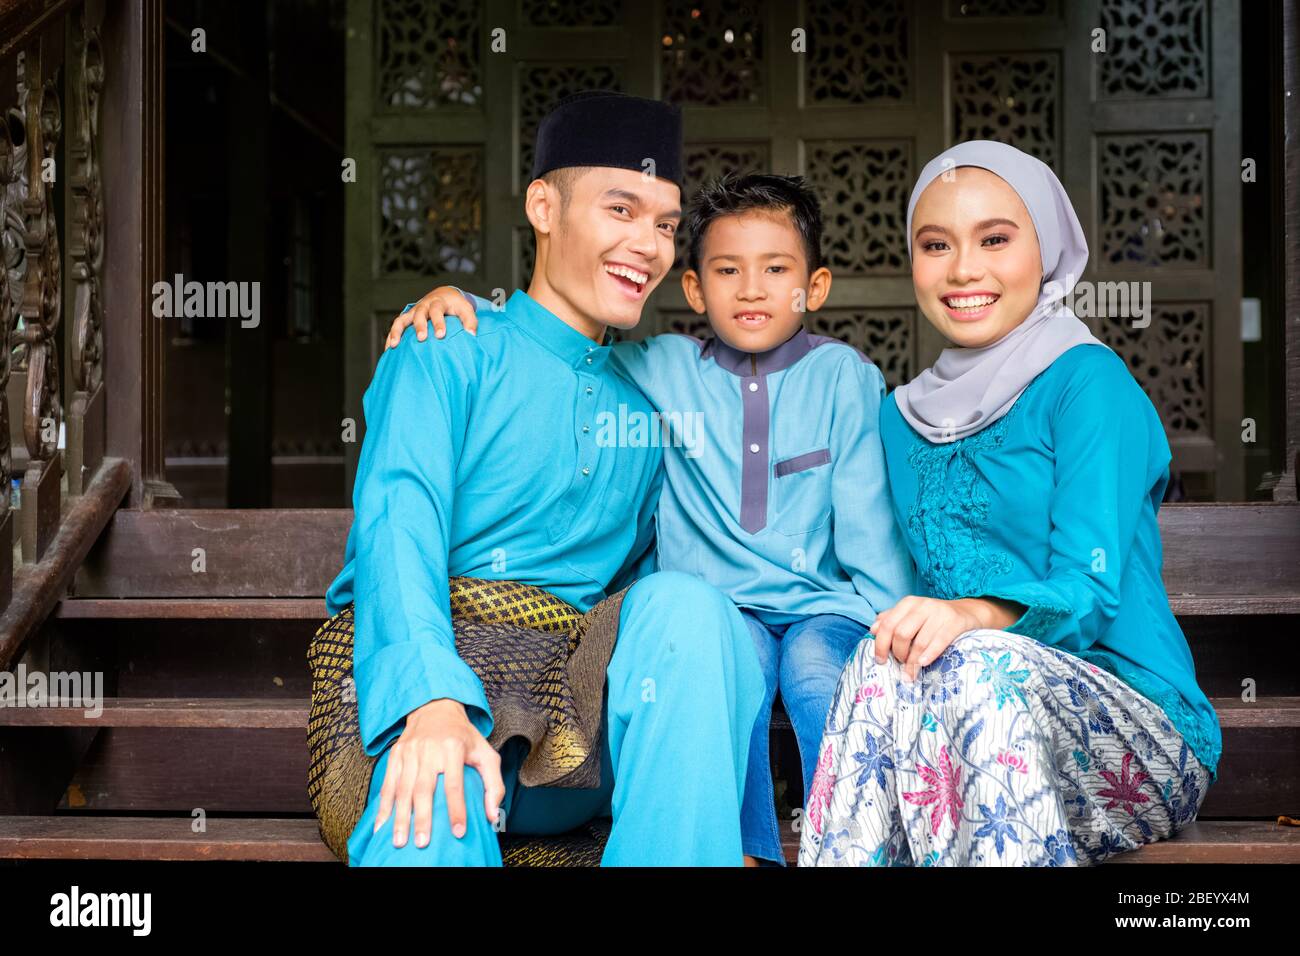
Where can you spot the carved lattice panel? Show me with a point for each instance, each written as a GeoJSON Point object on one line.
{"type": "Point", "coordinates": [541, 86]}
{"type": "Point", "coordinates": [864, 187]}
{"type": "Point", "coordinates": [1154, 48]}
{"type": "Point", "coordinates": [1169, 359]}
{"type": "Point", "coordinates": [712, 53]}
{"type": "Point", "coordinates": [1010, 97]}
{"type": "Point", "coordinates": [885, 335]}
{"type": "Point", "coordinates": [430, 210]}
{"type": "Point", "coordinates": [1154, 191]}
{"type": "Point", "coordinates": [854, 114]}
{"type": "Point", "coordinates": [427, 54]}
{"type": "Point", "coordinates": [997, 9]}
{"type": "Point", "coordinates": [857, 54]}
{"type": "Point", "coordinates": [571, 13]}
{"type": "Point", "coordinates": [705, 162]}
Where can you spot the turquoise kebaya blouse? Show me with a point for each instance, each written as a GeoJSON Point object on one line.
{"type": "Point", "coordinates": [1053, 506]}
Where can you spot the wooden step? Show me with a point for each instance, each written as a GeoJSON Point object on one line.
{"type": "Point", "coordinates": [313, 608]}
{"type": "Point", "coordinates": [1208, 605]}
{"type": "Point", "coordinates": [298, 840]}
{"type": "Point", "coordinates": [1205, 841]}
{"type": "Point", "coordinates": [1234, 712]}
{"type": "Point", "coordinates": [243, 713]}
{"type": "Point", "coordinates": [289, 712]}
{"type": "Point", "coordinates": [198, 609]}
{"type": "Point", "coordinates": [1223, 841]}
{"type": "Point", "coordinates": [296, 553]}
{"type": "Point", "coordinates": [73, 837]}
{"type": "Point", "coordinates": [158, 755]}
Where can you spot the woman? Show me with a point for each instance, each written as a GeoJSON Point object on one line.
{"type": "Point", "coordinates": [1038, 704]}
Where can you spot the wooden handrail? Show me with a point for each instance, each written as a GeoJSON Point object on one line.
{"type": "Point", "coordinates": [39, 587]}
{"type": "Point", "coordinates": [20, 20]}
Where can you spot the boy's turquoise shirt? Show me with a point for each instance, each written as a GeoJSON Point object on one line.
{"type": "Point", "coordinates": [1054, 507]}
{"type": "Point", "coordinates": [776, 488]}
{"type": "Point", "coordinates": [480, 459]}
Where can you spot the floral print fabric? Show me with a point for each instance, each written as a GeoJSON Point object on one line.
{"type": "Point", "coordinates": [1003, 752]}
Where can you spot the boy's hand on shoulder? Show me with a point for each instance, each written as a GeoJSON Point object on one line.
{"type": "Point", "coordinates": [434, 308]}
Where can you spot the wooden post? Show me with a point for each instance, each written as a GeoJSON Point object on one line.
{"type": "Point", "coordinates": [1285, 489]}
{"type": "Point", "coordinates": [132, 38]}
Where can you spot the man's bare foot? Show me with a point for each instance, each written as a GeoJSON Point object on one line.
{"type": "Point", "coordinates": [751, 861]}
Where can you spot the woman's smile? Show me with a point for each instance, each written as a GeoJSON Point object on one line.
{"type": "Point", "coordinates": [969, 306]}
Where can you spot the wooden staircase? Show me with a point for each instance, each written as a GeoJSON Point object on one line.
{"type": "Point", "coordinates": [206, 689]}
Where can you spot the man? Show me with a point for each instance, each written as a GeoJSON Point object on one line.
{"type": "Point", "coordinates": [480, 459]}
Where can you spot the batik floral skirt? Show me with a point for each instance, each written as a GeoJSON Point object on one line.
{"type": "Point", "coordinates": [1004, 752]}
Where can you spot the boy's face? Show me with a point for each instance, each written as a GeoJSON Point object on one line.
{"type": "Point", "coordinates": [612, 243]}
{"type": "Point", "coordinates": [753, 280]}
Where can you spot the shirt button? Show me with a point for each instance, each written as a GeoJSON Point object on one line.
{"type": "Point", "coordinates": [588, 389]}
{"type": "Point", "coordinates": [585, 429]}
{"type": "Point", "coordinates": [754, 449]}
{"type": "Point", "coordinates": [588, 359]}
{"type": "Point", "coordinates": [586, 470]}
{"type": "Point", "coordinates": [753, 386]}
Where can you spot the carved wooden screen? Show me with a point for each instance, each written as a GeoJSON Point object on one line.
{"type": "Point", "coordinates": [1144, 137]}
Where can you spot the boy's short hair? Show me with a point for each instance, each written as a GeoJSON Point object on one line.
{"type": "Point", "coordinates": [732, 195]}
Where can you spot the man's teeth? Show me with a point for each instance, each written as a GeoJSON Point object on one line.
{"type": "Point", "coordinates": [640, 278]}
{"type": "Point", "coordinates": [970, 301]}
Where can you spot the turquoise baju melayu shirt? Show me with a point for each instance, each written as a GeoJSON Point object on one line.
{"type": "Point", "coordinates": [481, 460]}
{"type": "Point", "coordinates": [1053, 506]}
{"type": "Point", "coordinates": [776, 490]}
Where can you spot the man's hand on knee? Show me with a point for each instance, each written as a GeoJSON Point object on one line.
{"type": "Point", "coordinates": [438, 739]}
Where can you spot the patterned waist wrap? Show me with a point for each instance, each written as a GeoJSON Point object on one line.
{"type": "Point", "coordinates": [542, 664]}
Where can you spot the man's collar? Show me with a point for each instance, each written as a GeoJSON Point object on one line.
{"type": "Point", "coordinates": [557, 336]}
{"type": "Point", "coordinates": [761, 363]}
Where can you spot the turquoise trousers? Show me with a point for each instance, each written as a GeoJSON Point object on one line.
{"type": "Point", "coordinates": [682, 692]}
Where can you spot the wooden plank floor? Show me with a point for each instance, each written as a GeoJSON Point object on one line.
{"type": "Point", "coordinates": [313, 609]}
{"type": "Point", "coordinates": [1205, 841]}
{"type": "Point", "coordinates": [289, 712]}
{"type": "Point", "coordinates": [70, 837]}
{"type": "Point", "coordinates": [229, 712]}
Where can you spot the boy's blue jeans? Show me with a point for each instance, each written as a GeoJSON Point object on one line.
{"type": "Point", "coordinates": [804, 659]}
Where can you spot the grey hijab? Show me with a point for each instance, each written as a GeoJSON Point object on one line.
{"type": "Point", "coordinates": [968, 389]}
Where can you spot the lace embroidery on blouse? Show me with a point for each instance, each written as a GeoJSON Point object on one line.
{"type": "Point", "coordinates": [951, 511]}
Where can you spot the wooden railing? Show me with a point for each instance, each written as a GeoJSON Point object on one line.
{"type": "Point", "coordinates": [51, 78]}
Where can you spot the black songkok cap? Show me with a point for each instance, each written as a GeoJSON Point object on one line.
{"type": "Point", "coordinates": [599, 128]}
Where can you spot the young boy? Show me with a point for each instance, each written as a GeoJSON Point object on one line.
{"type": "Point", "coordinates": [775, 489]}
